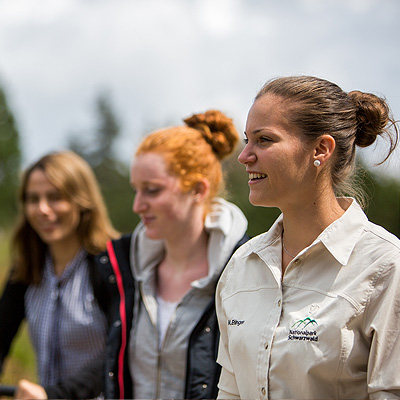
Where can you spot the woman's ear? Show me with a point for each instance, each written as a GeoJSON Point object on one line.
{"type": "Point", "coordinates": [325, 146]}
{"type": "Point", "coordinates": [201, 190]}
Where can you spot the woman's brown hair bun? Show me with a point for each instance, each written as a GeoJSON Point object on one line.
{"type": "Point", "coordinates": [217, 129]}
{"type": "Point", "coordinates": [372, 115]}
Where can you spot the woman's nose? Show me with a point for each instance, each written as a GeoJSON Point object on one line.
{"type": "Point", "coordinates": [44, 206]}
{"type": "Point", "coordinates": [139, 204]}
{"type": "Point", "coordinates": [246, 156]}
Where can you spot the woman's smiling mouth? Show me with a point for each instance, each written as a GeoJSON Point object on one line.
{"type": "Point", "coordinates": [256, 175]}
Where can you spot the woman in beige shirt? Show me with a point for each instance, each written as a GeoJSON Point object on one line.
{"type": "Point", "coordinates": [310, 309]}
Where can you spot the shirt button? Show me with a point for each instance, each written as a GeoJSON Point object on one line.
{"type": "Point", "coordinates": [263, 391]}
{"type": "Point", "coordinates": [207, 329]}
{"type": "Point", "coordinates": [89, 297]}
{"type": "Point", "coordinates": [266, 346]}
{"type": "Point", "coordinates": [279, 303]}
{"type": "Point", "coordinates": [204, 385]}
{"type": "Point", "coordinates": [104, 259]}
{"type": "Point", "coordinates": [111, 375]}
{"type": "Point", "coordinates": [117, 323]}
{"type": "Point", "coordinates": [112, 279]}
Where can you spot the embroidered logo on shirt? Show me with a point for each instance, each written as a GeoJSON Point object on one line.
{"type": "Point", "coordinates": [300, 330]}
{"type": "Point", "coordinates": [235, 322]}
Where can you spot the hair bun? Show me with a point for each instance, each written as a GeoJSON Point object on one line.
{"type": "Point", "coordinates": [217, 129]}
{"type": "Point", "coordinates": [372, 115]}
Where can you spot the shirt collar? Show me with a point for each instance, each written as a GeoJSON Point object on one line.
{"type": "Point", "coordinates": [339, 238]}
{"type": "Point", "coordinates": [263, 244]}
{"type": "Point", "coordinates": [68, 270]}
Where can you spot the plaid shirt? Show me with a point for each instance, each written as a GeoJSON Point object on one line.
{"type": "Point", "coordinates": [66, 325]}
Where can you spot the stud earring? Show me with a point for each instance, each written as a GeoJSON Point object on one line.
{"type": "Point", "coordinates": [317, 163]}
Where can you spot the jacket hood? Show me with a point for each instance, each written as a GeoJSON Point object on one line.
{"type": "Point", "coordinates": [225, 224]}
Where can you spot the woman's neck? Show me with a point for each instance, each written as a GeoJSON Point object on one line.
{"type": "Point", "coordinates": [63, 253]}
{"type": "Point", "coordinates": [305, 222]}
{"type": "Point", "coordinates": [185, 261]}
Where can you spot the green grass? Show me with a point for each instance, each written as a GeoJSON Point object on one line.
{"type": "Point", "coordinates": [20, 362]}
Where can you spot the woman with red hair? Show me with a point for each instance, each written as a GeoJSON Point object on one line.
{"type": "Point", "coordinates": [164, 335]}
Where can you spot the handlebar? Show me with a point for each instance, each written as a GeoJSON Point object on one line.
{"type": "Point", "coordinates": [6, 390]}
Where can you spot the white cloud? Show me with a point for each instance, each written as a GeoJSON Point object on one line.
{"type": "Point", "coordinates": [219, 18]}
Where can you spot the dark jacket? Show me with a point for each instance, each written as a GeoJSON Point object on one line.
{"type": "Point", "coordinates": [202, 370]}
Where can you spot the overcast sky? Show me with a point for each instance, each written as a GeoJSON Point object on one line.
{"type": "Point", "coordinates": [162, 60]}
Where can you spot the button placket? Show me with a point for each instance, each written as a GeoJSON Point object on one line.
{"type": "Point", "coordinates": [104, 259]}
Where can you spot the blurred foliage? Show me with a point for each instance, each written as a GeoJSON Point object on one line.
{"type": "Point", "coordinates": [10, 162]}
{"type": "Point", "coordinates": [112, 174]}
{"type": "Point", "coordinates": [383, 206]}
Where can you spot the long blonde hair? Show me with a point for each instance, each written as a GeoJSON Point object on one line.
{"type": "Point", "coordinates": [75, 180]}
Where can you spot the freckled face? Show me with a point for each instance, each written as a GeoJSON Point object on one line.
{"type": "Point", "coordinates": [159, 201]}
{"type": "Point", "coordinates": [279, 163]}
{"type": "Point", "coordinates": [54, 218]}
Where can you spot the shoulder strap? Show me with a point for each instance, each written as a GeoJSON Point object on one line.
{"type": "Point", "coordinates": [122, 312]}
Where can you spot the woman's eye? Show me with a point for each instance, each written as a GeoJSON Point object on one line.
{"type": "Point", "coordinates": [261, 139]}
{"type": "Point", "coordinates": [152, 191]}
{"type": "Point", "coordinates": [264, 139]}
{"type": "Point", "coordinates": [55, 197]}
{"type": "Point", "coordinates": [31, 199]}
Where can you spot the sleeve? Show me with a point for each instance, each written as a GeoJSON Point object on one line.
{"type": "Point", "coordinates": [382, 320]}
{"type": "Point", "coordinates": [12, 312]}
{"type": "Point", "coordinates": [227, 385]}
{"type": "Point", "coordinates": [87, 383]}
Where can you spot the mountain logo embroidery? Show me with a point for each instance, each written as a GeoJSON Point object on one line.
{"type": "Point", "coordinates": [300, 330]}
{"type": "Point", "coordinates": [304, 323]}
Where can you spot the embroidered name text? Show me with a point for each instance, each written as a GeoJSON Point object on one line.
{"type": "Point", "coordinates": [235, 322]}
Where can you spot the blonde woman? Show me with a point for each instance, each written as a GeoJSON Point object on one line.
{"type": "Point", "coordinates": [63, 224]}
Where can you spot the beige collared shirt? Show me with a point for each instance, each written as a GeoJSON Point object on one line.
{"type": "Point", "coordinates": [328, 329]}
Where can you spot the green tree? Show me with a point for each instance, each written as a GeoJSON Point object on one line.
{"type": "Point", "coordinates": [10, 163]}
{"type": "Point", "coordinates": [383, 206]}
{"type": "Point", "coordinates": [112, 174]}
